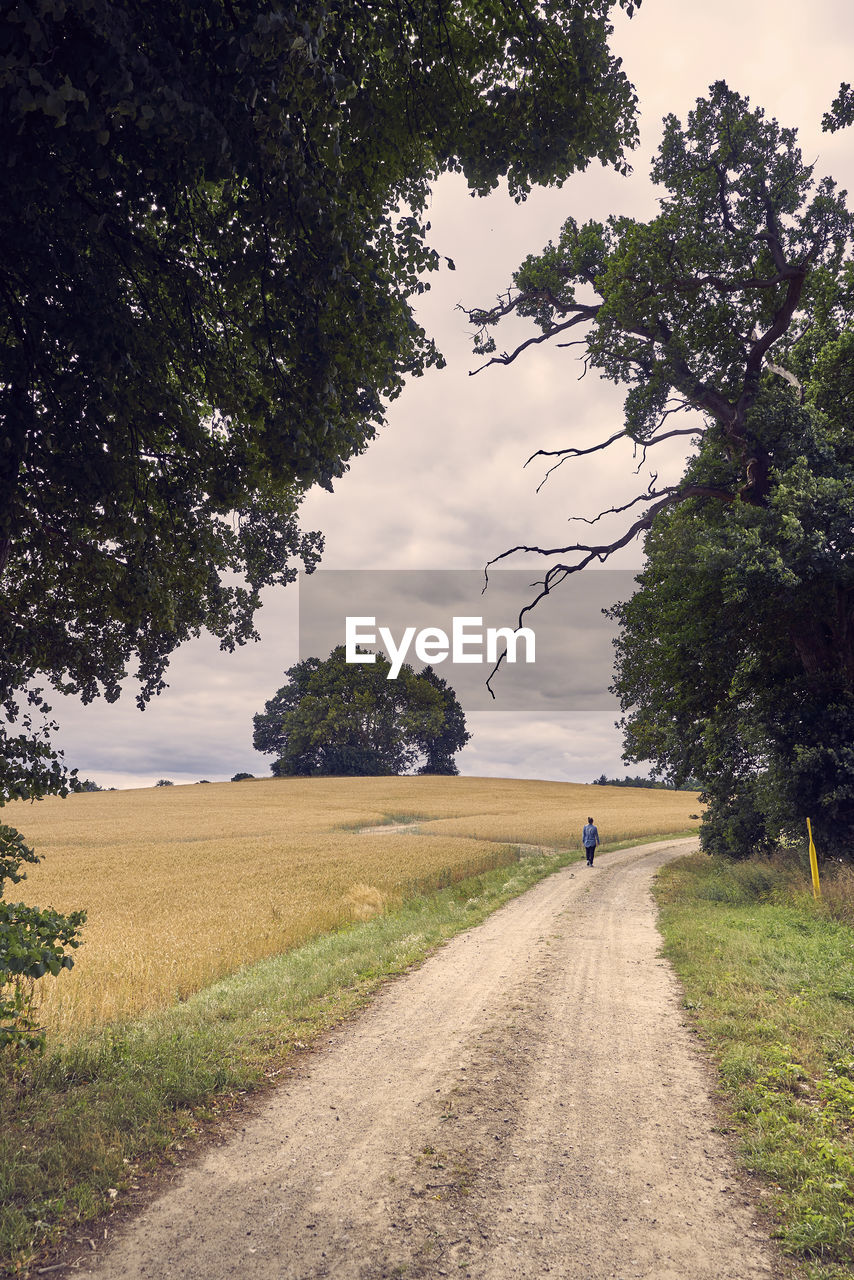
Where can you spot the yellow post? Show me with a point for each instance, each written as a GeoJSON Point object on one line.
{"type": "Point", "coordinates": [816, 887]}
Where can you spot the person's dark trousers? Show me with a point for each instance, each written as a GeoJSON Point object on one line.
{"type": "Point", "coordinates": [590, 849]}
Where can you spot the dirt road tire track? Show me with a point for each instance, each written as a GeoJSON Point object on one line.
{"type": "Point", "coordinates": [527, 1103]}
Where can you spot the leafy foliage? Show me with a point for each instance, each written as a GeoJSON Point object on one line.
{"type": "Point", "coordinates": [440, 746]}
{"type": "Point", "coordinates": [841, 113]}
{"type": "Point", "coordinates": [749, 683]}
{"type": "Point", "coordinates": [752, 608]}
{"type": "Point", "coordinates": [736, 662]}
{"type": "Point", "coordinates": [213, 227]}
{"type": "Point", "coordinates": [33, 943]}
{"type": "Point", "coordinates": [335, 717]}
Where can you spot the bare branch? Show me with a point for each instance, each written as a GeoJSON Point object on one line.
{"type": "Point", "coordinates": [584, 313]}
{"type": "Point", "coordinates": [558, 573]}
{"type": "Point", "coordinates": [566, 454]}
{"type": "Point", "coordinates": [665, 435]}
{"type": "Point", "coordinates": [572, 452]}
{"type": "Point", "coordinates": [649, 496]}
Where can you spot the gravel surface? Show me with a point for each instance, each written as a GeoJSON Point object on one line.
{"type": "Point", "coordinates": [527, 1103]}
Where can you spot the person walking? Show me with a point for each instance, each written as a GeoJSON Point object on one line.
{"type": "Point", "coordinates": [590, 839]}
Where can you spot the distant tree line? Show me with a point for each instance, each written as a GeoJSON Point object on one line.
{"type": "Point", "coordinates": [689, 784]}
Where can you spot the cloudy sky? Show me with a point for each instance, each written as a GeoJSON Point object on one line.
{"type": "Point", "coordinates": [444, 487]}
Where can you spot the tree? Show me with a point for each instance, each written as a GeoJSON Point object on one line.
{"type": "Point", "coordinates": [736, 664]}
{"type": "Point", "coordinates": [335, 717]}
{"type": "Point", "coordinates": [212, 230]}
{"type": "Point", "coordinates": [33, 943]}
{"type": "Point", "coordinates": [441, 746]}
{"type": "Point", "coordinates": [751, 681]}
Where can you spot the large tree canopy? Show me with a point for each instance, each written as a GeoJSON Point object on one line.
{"type": "Point", "coordinates": [211, 233]}
{"type": "Point", "coordinates": [339, 717]}
{"type": "Point", "coordinates": [736, 303]}
{"type": "Point", "coordinates": [735, 661]}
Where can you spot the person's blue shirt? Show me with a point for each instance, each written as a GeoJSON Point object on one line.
{"type": "Point", "coordinates": [590, 835]}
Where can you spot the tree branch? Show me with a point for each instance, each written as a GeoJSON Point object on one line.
{"type": "Point", "coordinates": [558, 573]}
{"type": "Point", "coordinates": [788, 375]}
{"type": "Point", "coordinates": [584, 313]}
{"type": "Point", "coordinates": [649, 496]}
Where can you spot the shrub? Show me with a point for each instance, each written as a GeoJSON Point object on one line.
{"type": "Point", "coordinates": [32, 944]}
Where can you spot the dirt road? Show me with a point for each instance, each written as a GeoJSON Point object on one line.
{"type": "Point", "coordinates": [528, 1103]}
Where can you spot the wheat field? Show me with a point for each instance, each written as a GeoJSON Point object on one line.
{"type": "Point", "coordinates": [185, 884]}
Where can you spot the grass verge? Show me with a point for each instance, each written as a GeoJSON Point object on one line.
{"type": "Point", "coordinates": [768, 977]}
{"type": "Point", "coordinates": [86, 1124]}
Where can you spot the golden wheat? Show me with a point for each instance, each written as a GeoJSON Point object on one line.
{"type": "Point", "coordinates": [185, 884]}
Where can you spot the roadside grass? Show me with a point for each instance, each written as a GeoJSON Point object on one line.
{"type": "Point", "coordinates": [768, 979]}
{"type": "Point", "coordinates": [87, 1124]}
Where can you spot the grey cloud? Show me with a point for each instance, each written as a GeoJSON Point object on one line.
{"type": "Point", "coordinates": [577, 748]}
